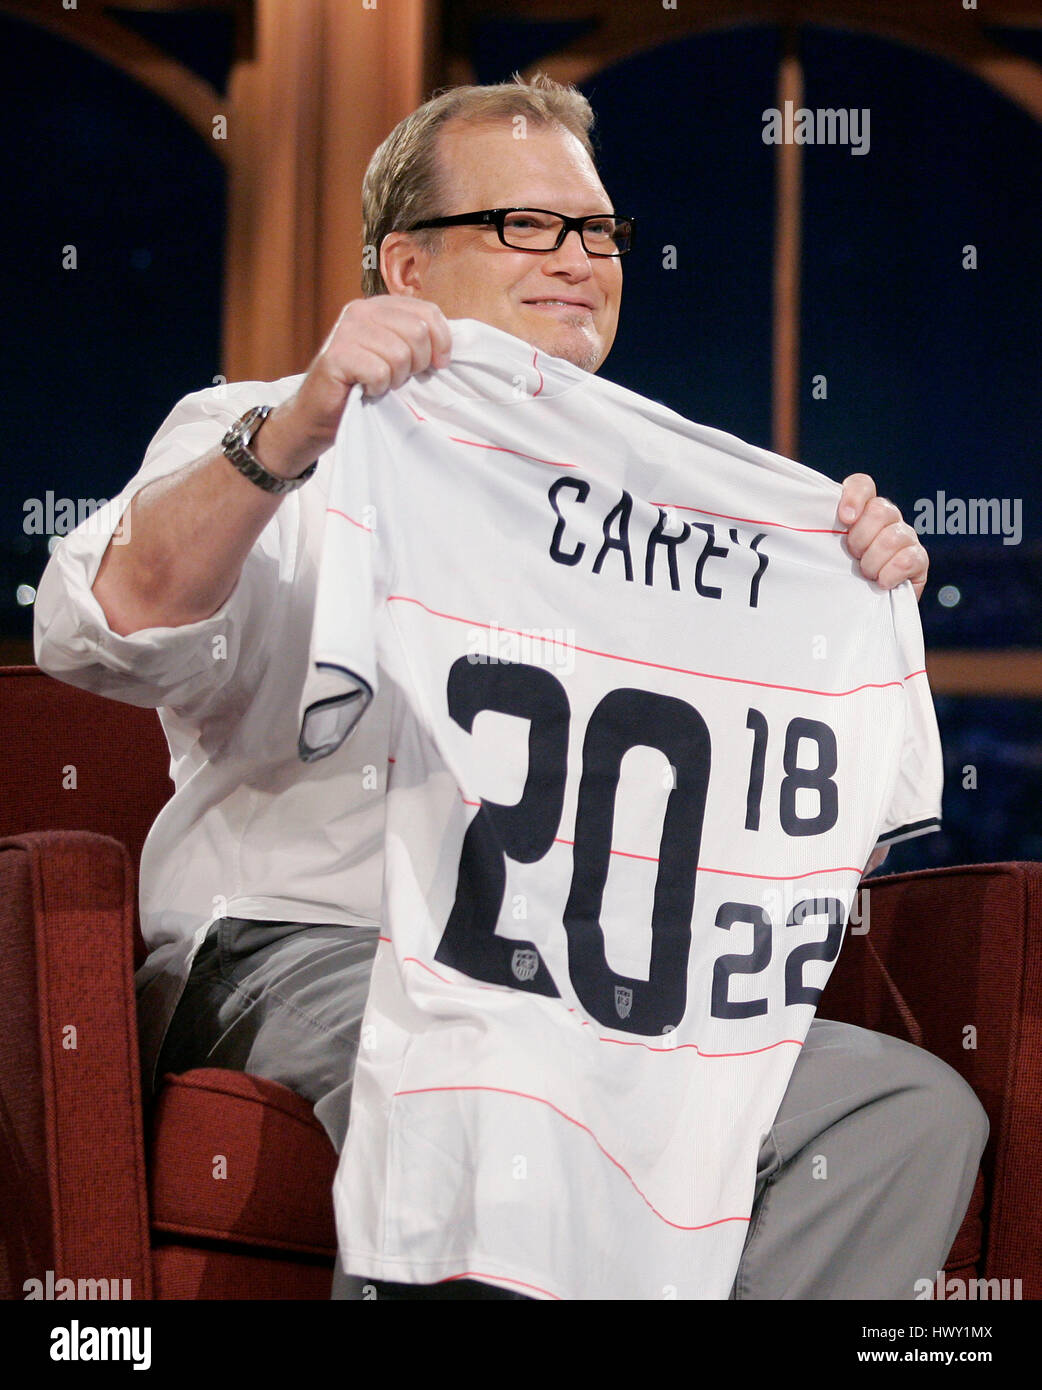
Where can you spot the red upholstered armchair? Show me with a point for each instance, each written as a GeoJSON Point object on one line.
{"type": "Point", "coordinates": [93, 1187]}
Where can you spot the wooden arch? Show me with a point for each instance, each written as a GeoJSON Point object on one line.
{"type": "Point", "coordinates": [317, 84]}
{"type": "Point", "coordinates": [314, 88]}
{"type": "Point", "coordinates": [943, 28]}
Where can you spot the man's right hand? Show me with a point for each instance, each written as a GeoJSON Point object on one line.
{"type": "Point", "coordinates": [379, 343]}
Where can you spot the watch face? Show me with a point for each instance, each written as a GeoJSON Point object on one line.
{"type": "Point", "coordinates": [249, 422]}
{"type": "Point", "coordinates": [236, 448]}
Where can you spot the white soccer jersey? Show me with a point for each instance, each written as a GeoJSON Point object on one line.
{"type": "Point", "coordinates": [648, 722]}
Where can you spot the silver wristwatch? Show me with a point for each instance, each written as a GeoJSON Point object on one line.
{"type": "Point", "coordinates": [236, 446]}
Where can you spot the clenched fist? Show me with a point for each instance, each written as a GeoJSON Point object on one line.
{"type": "Point", "coordinates": [378, 342]}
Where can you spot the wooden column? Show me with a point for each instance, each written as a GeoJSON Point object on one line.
{"type": "Point", "coordinates": [378, 67]}
{"type": "Point", "coordinates": [327, 81]}
{"type": "Point", "coordinates": [787, 253]}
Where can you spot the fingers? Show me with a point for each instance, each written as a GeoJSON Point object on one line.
{"type": "Point", "coordinates": [858, 491]}
{"type": "Point", "coordinates": [911, 563]}
{"type": "Point", "coordinates": [441, 334]}
{"type": "Point", "coordinates": [877, 516]}
{"type": "Point", "coordinates": [419, 323]}
{"type": "Point", "coordinates": [379, 343]}
{"type": "Point", "coordinates": [385, 359]}
{"type": "Point", "coordinates": [383, 341]}
{"type": "Point", "coordinates": [888, 548]}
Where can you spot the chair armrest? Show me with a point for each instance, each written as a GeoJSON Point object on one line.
{"type": "Point", "coordinates": [70, 1092]}
{"type": "Point", "coordinates": [962, 947]}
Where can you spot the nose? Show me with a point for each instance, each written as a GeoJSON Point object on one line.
{"type": "Point", "coordinates": [570, 258]}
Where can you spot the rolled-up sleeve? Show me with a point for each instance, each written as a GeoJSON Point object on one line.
{"type": "Point", "coordinates": [183, 667]}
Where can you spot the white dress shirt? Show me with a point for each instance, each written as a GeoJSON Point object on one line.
{"type": "Point", "coordinates": [251, 830]}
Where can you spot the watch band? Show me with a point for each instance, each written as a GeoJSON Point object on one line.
{"type": "Point", "coordinates": [235, 445]}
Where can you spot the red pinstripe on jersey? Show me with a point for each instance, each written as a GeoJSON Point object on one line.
{"type": "Point", "coordinates": [541, 1100]}
{"type": "Point", "coordinates": [660, 665]}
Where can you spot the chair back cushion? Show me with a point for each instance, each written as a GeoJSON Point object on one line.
{"type": "Point", "coordinates": [77, 761]}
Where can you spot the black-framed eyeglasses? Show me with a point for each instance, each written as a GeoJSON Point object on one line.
{"type": "Point", "coordinates": [538, 229]}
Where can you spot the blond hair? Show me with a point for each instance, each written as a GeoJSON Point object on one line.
{"type": "Point", "coordinates": [404, 181]}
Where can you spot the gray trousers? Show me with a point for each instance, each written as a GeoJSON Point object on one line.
{"type": "Point", "coordinates": [861, 1184]}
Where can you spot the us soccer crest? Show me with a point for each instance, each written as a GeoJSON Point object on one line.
{"type": "Point", "coordinates": [623, 1000]}
{"type": "Point", "coordinates": [524, 964]}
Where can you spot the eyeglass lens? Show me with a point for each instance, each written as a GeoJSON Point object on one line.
{"type": "Point", "coordinates": [538, 231]}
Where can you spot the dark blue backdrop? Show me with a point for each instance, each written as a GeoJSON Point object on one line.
{"type": "Point", "coordinates": [933, 371]}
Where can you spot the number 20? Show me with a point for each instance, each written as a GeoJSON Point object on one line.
{"type": "Point", "coordinates": [525, 832]}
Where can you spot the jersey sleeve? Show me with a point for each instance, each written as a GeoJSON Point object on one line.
{"type": "Point", "coordinates": [342, 667]}
{"type": "Point", "coordinates": [915, 803]}
{"type": "Point", "coordinates": [186, 668]}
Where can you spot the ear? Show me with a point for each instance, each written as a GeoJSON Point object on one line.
{"type": "Point", "coordinates": [403, 264]}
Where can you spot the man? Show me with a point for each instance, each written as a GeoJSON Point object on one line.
{"type": "Point", "coordinates": [261, 876]}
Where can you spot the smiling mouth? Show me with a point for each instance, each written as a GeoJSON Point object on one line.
{"type": "Point", "coordinates": [559, 304]}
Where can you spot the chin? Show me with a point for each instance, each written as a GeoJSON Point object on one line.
{"type": "Point", "coordinates": [577, 347]}
{"type": "Point", "coordinates": [589, 361]}
{"type": "Point", "coordinates": [588, 356]}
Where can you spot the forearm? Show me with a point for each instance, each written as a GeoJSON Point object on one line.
{"type": "Point", "coordinates": [188, 536]}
